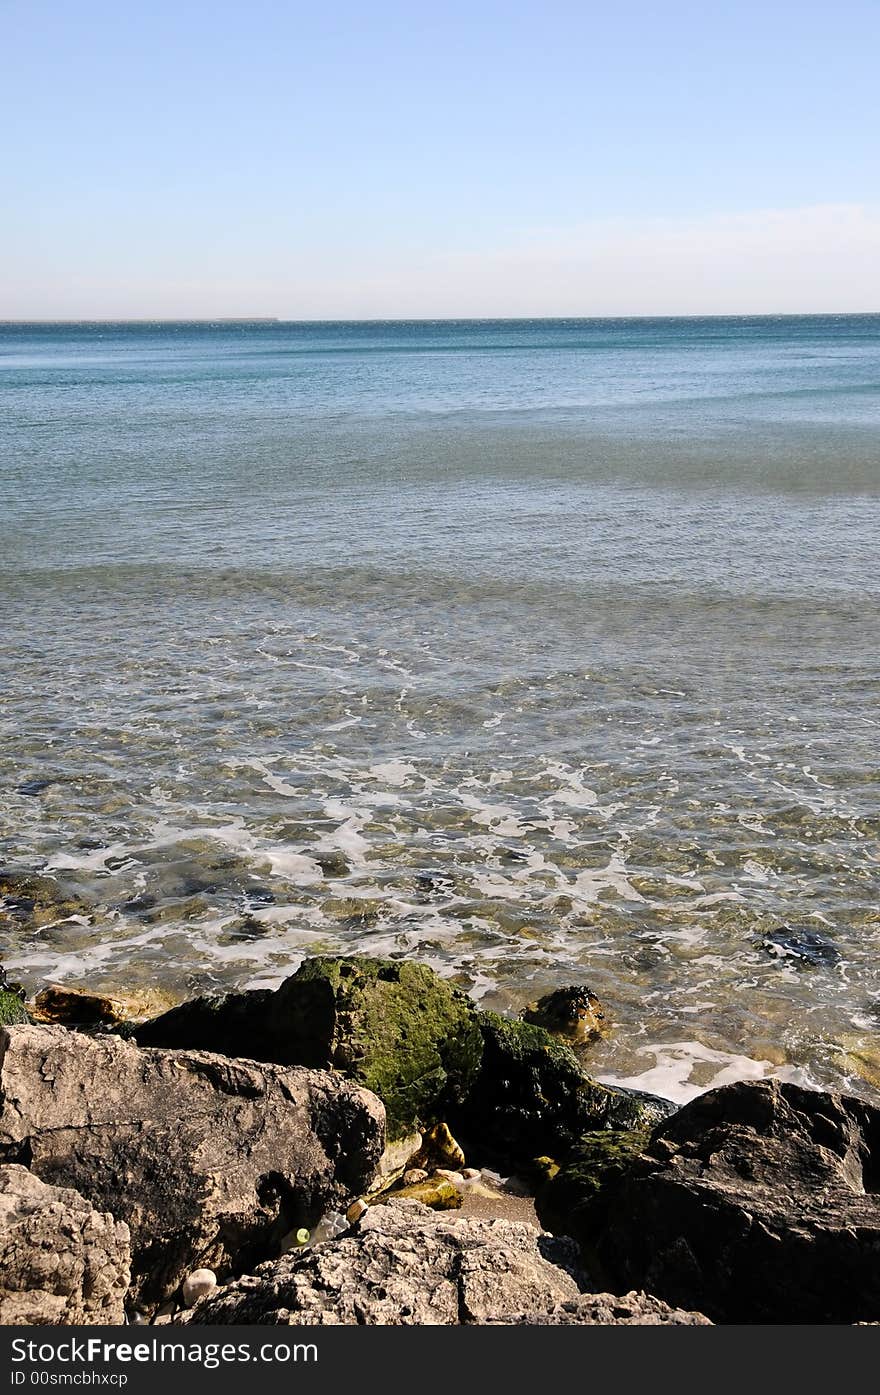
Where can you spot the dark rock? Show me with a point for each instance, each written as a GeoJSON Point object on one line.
{"type": "Point", "coordinates": [61, 1261]}
{"type": "Point", "coordinates": [606, 1310]}
{"type": "Point", "coordinates": [397, 1028]}
{"type": "Point", "coordinates": [756, 1202]}
{"type": "Point", "coordinates": [531, 1097]}
{"type": "Point", "coordinates": [574, 1201]}
{"type": "Point", "coordinates": [575, 1014]}
{"type": "Point", "coordinates": [805, 947]}
{"type": "Point", "coordinates": [209, 1161]}
{"type": "Point", "coordinates": [404, 1265]}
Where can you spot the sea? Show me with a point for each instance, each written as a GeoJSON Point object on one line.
{"type": "Point", "coordinates": [546, 652]}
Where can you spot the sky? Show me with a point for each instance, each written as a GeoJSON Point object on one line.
{"type": "Point", "coordinates": [351, 160]}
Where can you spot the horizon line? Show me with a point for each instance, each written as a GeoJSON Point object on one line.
{"type": "Point", "coordinates": [423, 319]}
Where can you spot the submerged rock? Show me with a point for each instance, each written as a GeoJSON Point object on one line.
{"type": "Point", "coordinates": [397, 1028]}
{"type": "Point", "coordinates": [757, 1202]}
{"type": "Point", "coordinates": [405, 1265]}
{"type": "Point", "coordinates": [33, 900]}
{"type": "Point", "coordinates": [801, 946]}
{"type": "Point", "coordinates": [575, 1014]}
{"type": "Point", "coordinates": [209, 1161]}
{"type": "Point", "coordinates": [531, 1097]}
{"type": "Point", "coordinates": [61, 1261]}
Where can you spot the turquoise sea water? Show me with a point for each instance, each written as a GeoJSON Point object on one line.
{"type": "Point", "coordinates": [547, 651]}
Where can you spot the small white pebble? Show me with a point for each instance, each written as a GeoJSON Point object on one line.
{"type": "Point", "coordinates": [470, 1174]}
{"type": "Point", "coordinates": [196, 1285]}
{"type": "Point", "coordinates": [454, 1177]}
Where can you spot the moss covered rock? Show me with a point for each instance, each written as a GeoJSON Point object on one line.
{"type": "Point", "coordinates": [574, 1200]}
{"type": "Point", "coordinates": [396, 1027]}
{"type": "Point", "coordinates": [531, 1097]}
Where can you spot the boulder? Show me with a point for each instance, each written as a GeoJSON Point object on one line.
{"type": "Point", "coordinates": [395, 1027]}
{"type": "Point", "coordinates": [403, 1266]}
{"type": "Point", "coordinates": [756, 1202]}
{"type": "Point", "coordinates": [211, 1162]}
{"type": "Point", "coordinates": [61, 1261]}
{"type": "Point", "coordinates": [532, 1098]}
{"type": "Point", "coordinates": [606, 1310]}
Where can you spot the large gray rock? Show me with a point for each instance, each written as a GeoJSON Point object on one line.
{"type": "Point", "coordinates": [61, 1261]}
{"type": "Point", "coordinates": [607, 1310]}
{"type": "Point", "coordinates": [405, 1265]}
{"type": "Point", "coordinates": [209, 1161]}
{"type": "Point", "coordinates": [757, 1202]}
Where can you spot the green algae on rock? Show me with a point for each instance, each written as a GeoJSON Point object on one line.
{"type": "Point", "coordinates": [395, 1027]}
{"type": "Point", "coordinates": [532, 1098]}
{"type": "Point", "coordinates": [12, 1010]}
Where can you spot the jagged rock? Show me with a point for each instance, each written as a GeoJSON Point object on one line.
{"type": "Point", "coordinates": [756, 1202]}
{"type": "Point", "coordinates": [209, 1161]}
{"type": "Point", "coordinates": [574, 1014]}
{"type": "Point", "coordinates": [532, 1098]}
{"type": "Point", "coordinates": [397, 1028]}
{"type": "Point", "coordinates": [606, 1310]}
{"type": "Point", "coordinates": [405, 1265]}
{"type": "Point", "coordinates": [61, 1261]}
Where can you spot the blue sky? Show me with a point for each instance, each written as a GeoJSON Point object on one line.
{"type": "Point", "coordinates": [391, 159]}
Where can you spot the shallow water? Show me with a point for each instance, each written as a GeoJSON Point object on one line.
{"type": "Point", "coordinates": [556, 642]}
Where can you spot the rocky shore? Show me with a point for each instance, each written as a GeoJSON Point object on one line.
{"type": "Point", "coordinates": [363, 1145]}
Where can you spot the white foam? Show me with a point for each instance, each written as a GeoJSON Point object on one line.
{"type": "Point", "coordinates": [675, 1062]}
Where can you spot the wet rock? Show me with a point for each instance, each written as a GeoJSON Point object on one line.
{"type": "Point", "coordinates": [800, 946]}
{"type": "Point", "coordinates": [574, 1014]}
{"type": "Point", "coordinates": [531, 1097]}
{"type": "Point", "coordinates": [61, 1261]}
{"type": "Point", "coordinates": [397, 1028]}
{"type": "Point", "coordinates": [209, 1161]}
{"type": "Point", "coordinates": [756, 1202]}
{"type": "Point", "coordinates": [405, 1265]}
{"type": "Point", "coordinates": [606, 1310]}
{"type": "Point", "coordinates": [73, 1007]}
